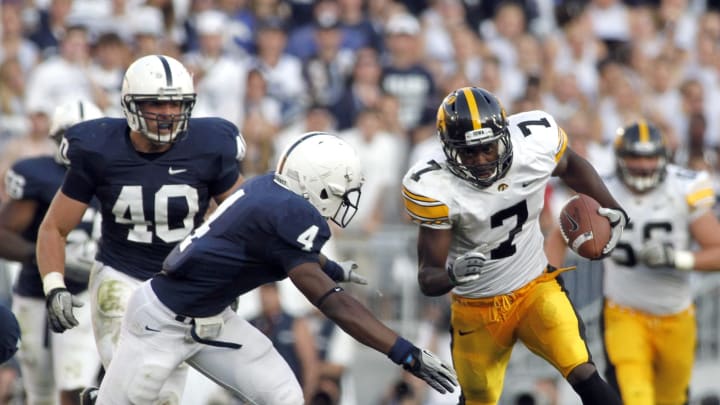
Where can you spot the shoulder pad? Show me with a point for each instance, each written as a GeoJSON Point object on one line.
{"type": "Point", "coordinates": [539, 131]}
{"type": "Point", "coordinates": [424, 189]}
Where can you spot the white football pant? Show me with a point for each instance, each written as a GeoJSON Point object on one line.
{"type": "Point", "coordinates": [110, 291]}
{"type": "Point", "coordinates": [153, 343]}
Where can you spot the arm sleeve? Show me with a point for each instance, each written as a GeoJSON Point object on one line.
{"type": "Point", "coordinates": [233, 151]}
{"type": "Point", "coordinates": [700, 196]}
{"type": "Point", "coordinates": [301, 234]}
{"type": "Point", "coordinates": [79, 183]}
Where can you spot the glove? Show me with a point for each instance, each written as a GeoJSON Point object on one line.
{"type": "Point", "coordinates": [350, 274]}
{"type": "Point", "coordinates": [60, 304]}
{"type": "Point", "coordinates": [79, 260]}
{"type": "Point", "coordinates": [466, 268]}
{"type": "Point", "coordinates": [618, 219]}
{"type": "Point", "coordinates": [657, 254]}
{"type": "Point", "coordinates": [426, 366]}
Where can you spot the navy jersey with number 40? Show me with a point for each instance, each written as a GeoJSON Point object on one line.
{"type": "Point", "coordinates": [255, 236]}
{"type": "Point", "coordinates": [149, 202]}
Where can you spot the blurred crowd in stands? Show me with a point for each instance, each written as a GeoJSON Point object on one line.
{"type": "Point", "coordinates": [374, 71]}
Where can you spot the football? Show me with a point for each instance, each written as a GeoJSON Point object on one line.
{"type": "Point", "coordinates": [585, 231]}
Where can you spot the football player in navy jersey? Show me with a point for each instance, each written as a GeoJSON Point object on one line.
{"type": "Point", "coordinates": [61, 367]}
{"type": "Point", "coordinates": [154, 174]}
{"type": "Point", "coordinates": [273, 227]}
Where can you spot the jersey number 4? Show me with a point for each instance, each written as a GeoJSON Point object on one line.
{"type": "Point", "coordinates": [128, 210]}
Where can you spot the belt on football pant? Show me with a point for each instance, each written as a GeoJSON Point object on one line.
{"type": "Point", "coordinates": [210, 342]}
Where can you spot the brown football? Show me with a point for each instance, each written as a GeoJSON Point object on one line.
{"type": "Point", "coordinates": [585, 231]}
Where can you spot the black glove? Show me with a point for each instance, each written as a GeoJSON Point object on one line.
{"type": "Point", "coordinates": [424, 365]}
{"type": "Point", "coordinates": [60, 304]}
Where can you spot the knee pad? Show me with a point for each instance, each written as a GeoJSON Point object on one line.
{"type": "Point", "coordinates": [145, 387]}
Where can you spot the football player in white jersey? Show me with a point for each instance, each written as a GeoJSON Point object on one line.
{"type": "Point", "coordinates": [649, 325]}
{"type": "Point", "coordinates": [479, 237]}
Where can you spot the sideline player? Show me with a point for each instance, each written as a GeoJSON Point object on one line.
{"type": "Point", "coordinates": [273, 227]}
{"type": "Point", "coordinates": [49, 362]}
{"type": "Point", "coordinates": [154, 174]}
{"type": "Point", "coordinates": [649, 325]}
{"type": "Point", "coordinates": [479, 237]}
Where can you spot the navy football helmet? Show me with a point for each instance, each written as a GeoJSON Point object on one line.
{"type": "Point", "coordinates": [471, 121]}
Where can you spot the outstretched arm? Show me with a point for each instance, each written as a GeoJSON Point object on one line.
{"type": "Point", "coordinates": [358, 322]}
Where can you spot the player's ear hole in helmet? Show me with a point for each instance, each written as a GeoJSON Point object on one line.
{"type": "Point", "coordinates": [157, 79]}
{"type": "Point", "coordinates": [641, 156]}
{"type": "Point", "coordinates": [326, 171]}
{"type": "Point", "coordinates": [66, 115]}
{"type": "Point", "coordinates": [472, 126]}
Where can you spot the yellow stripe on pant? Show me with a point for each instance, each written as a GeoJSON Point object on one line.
{"type": "Point", "coordinates": [485, 330]}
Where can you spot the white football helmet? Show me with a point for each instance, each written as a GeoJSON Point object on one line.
{"type": "Point", "coordinates": [326, 171]}
{"type": "Point", "coordinates": [67, 115]}
{"type": "Point", "coordinates": [157, 78]}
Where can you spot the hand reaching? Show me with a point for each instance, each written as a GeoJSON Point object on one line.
{"type": "Point", "coordinates": [426, 366]}
{"type": "Point", "coordinates": [350, 273]}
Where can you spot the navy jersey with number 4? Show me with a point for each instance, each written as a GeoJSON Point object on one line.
{"type": "Point", "coordinates": [149, 202]}
{"type": "Point", "coordinates": [254, 237]}
{"type": "Point", "coordinates": [38, 179]}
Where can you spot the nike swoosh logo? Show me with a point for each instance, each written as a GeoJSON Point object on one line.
{"type": "Point", "coordinates": [465, 332]}
{"type": "Point", "coordinates": [176, 171]}
{"type": "Point", "coordinates": [574, 226]}
{"type": "Point", "coordinates": [151, 329]}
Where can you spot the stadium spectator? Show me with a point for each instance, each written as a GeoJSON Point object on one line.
{"type": "Point", "coordinates": [62, 77]}
{"type": "Point", "coordinates": [13, 44]}
{"type": "Point", "coordinates": [362, 90]}
{"type": "Point", "coordinates": [13, 122]}
{"type": "Point", "coordinates": [404, 75]}
{"type": "Point", "coordinates": [219, 79]}
{"type": "Point", "coordinates": [262, 121]}
{"type": "Point", "coordinates": [474, 240]}
{"type": "Point", "coordinates": [282, 71]}
{"type": "Point", "coordinates": [50, 27]}
{"type": "Point", "coordinates": [110, 58]}
{"type": "Point", "coordinates": [326, 71]}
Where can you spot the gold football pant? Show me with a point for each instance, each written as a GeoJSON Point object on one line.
{"type": "Point", "coordinates": [484, 331]}
{"type": "Point", "coordinates": [650, 357]}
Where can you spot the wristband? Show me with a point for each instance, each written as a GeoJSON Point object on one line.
{"type": "Point", "coordinates": [684, 260]}
{"type": "Point", "coordinates": [333, 270]}
{"type": "Point", "coordinates": [400, 350]}
{"type": "Point", "coordinates": [52, 281]}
